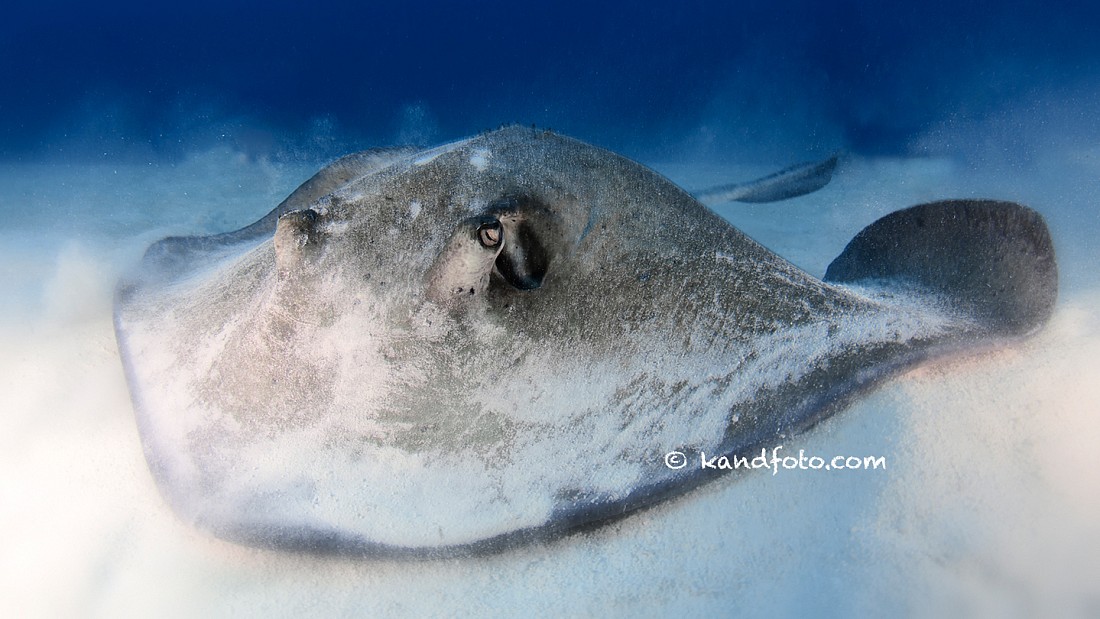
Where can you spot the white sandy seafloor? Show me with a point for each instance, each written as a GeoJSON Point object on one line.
{"type": "Point", "coordinates": [989, 505]}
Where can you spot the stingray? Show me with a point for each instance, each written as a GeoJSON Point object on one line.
{"type": "Point", "coordinates": [497, 341]}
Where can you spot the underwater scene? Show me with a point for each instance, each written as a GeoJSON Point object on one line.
{"type": "Point", "coordinates": [562, 309]}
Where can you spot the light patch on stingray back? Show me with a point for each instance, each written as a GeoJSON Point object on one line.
{"type": "Point", "coordinates": [414, 209]}
{"type": "Point", "coordinates": [722, 256]}
{"type": "Point", "coordinates": [480, 159]}
{"type": "Point", "coordinates": [336, 227]}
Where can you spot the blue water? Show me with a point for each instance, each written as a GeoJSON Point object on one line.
{"type": "Point", "coordinates": [283, 79]}
{"type": "Point", "coordinates": [123, 122]}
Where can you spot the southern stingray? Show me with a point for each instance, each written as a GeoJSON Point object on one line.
{"type": "Point", "coordinates": [498, 340]}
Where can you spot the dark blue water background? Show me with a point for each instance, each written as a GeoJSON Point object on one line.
{"type": "Point", "coordinates": [142, 80]}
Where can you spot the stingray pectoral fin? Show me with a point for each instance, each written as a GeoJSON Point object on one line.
{"type": "Point", "coordinates": [330, 178]}
{"type": "Point", "coordinates": [173, 256]}
{"type": "Point", "coordinates": [994, 260]}
{"type": "Point", "coordinates": [791, 182]}
{"type": "Point", "coordinates": [341, 172]}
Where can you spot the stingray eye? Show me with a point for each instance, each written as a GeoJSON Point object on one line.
{"type": "Point", "coordinates": [489, 234]}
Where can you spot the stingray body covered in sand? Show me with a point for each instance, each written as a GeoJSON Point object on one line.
{"type": "Point", "coordinates": [498, 340]}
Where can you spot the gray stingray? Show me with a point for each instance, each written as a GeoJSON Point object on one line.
{"type": "Point", "coordinates": [498, 340]}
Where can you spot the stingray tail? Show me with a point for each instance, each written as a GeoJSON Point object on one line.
{"type": "Point", "coordinates": [791, 182]}
{"type": "Point", "coordinates": [994, 260]}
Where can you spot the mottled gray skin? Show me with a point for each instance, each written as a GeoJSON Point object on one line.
{"type": "Point", "coordinates": [437, 304]}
